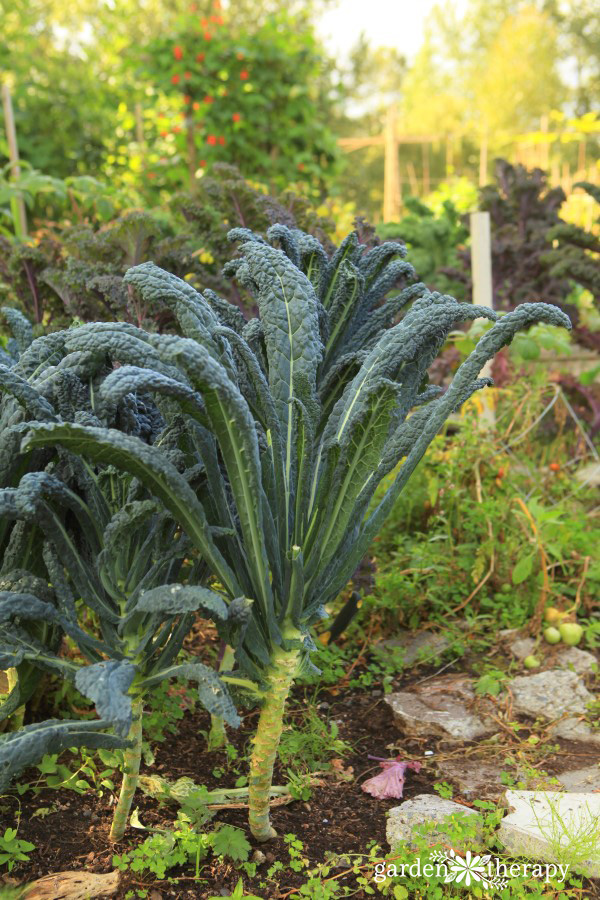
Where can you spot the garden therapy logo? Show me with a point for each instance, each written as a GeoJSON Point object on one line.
{"type": "Point", "coordinates": [487, 871]}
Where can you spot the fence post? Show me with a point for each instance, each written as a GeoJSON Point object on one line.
{"type": "Point", "coordinates": [391, 171]}
{"type": "Point", "coordinates": [18, 204]}
{"type": "Point", "coordinates": [481, 273]}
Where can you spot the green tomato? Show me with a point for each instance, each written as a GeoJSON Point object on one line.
{"type": "Point", "coordinates": [531, 662]}
{"type": "Point", "coordinates": [571, 633]}
{"type": "Point", "coordinates": [552, 635]}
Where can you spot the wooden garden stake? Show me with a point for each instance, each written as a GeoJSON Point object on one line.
{"type": "Point", "coordinates": [391, 174]}
{"type": "Point", "coordinates": [18, 205]}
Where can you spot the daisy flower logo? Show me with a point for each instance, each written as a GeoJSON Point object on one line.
{"type": "Point", "coordinates": [468, 871]}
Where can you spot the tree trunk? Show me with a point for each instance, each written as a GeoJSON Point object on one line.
{"type": "Point", "coordinates": [131, 769]}
{"type": "Point", "coordinates": [266, 742]}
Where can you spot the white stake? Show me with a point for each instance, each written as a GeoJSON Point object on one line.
{"type": "Point", "coordinates": [481, 273]}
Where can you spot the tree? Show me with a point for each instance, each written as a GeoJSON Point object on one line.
{"type": "Point", "coordinates": [517, 81]}
{"type": "Point", "coordinates": [578, 22]}
{"type": "Point", "coordinates": [490, 72]}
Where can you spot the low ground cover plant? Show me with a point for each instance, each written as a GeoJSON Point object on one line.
{"type": "Point", "coordinates": [290, 421]}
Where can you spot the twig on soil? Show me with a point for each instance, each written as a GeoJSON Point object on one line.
{"type": "Point", "coordinates": [536, 619]}
{"type": "Point", "coordinates": [428, 677]}
{"type": "Point", "coordinates": [586, 564]}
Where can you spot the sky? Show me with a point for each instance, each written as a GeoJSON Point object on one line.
{"type": "Point", "coordinates": [386, 23]}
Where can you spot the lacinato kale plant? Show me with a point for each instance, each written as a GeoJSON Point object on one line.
{"type": "Point", "coordinates": [293, 418]}
{"type": "Point", "coordinates": [89, 554]}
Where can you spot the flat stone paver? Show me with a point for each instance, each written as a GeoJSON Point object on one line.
{"type": "Point", "coordinates": [426, 809]}
{"type": "Point", "coordinates": [442, 707]}
{"type": "Point", "coordinates": [550, 695]}
{"type": "Point", "coordinates": [555, 827]}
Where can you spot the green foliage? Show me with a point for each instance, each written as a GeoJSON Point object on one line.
{"type": "Point", "coordinates": [239, 98]}
{"type": "Point", "coordinates": [303, 517]}
{"type": "Point", "coordinates": [576, 252]}
{"type": "Point", "coordinates": [159, 853]}
{"type": "Point", "coordinates": [168, 848]}
{"type": "Point", "coordinates": [83, 774]}
{"type": "Point", "coordinates": [310, 746]}
{"type": "Point", "coordinates": [230, 843]}
{"type": "Point", "coordinates": [437, 547]}
{"type": "Point", "coordinates": [434, 242]}
{"type": "Point", "coordinates": [76, 272]}
{"type": "Point", "coordinates": [224, 199]}
{"type": "Point", "coordinates": [165, 707]}
{"type": "Point", "coordinates": [87, 557]}
{"type": "Point", "coordinates": [79, 197]}
{"type": "Point", "coordinates": [256, 463]}
{"type": "Point", "coordinates": [88, 88]}
{"type": "Point", "coordinates": [522, 209]}
{"type": "Point", "coordinates": [79, 271]}
{"type": "Point", "coordinates": [13, 850]}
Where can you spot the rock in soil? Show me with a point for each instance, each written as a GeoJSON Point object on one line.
{"type": "Point", "coordinates": [441, 706]}
{"type": "Point", "coordinates": [552, 694]}
{"type": "Point", "coordinates": [554, 827]}
{"type": "Point", "coordinates": [475, 779]}
{"type": "Point", "coordinates": [581, 781]}
{"type": "Point", "coordinates": [579, 661]}
{"type": "Point", "coordinates": [427, 809]}
{"type": "Point", "coordinates": [418, 648]}
{"type": "Point", "coordinates": [523, 648]}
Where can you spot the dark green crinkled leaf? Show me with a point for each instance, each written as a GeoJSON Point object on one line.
{"type": "Point", "coordinates": [173, 599]}
{"type": "Point", "coordinates": [212, 692]}
{"type": "Point", "coordinates": [107, 684]}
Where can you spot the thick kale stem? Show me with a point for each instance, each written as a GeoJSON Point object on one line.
{"type": "Point", "coordinates": [131, 769]}
{"type": "Point", "coordinates": [266, 741]}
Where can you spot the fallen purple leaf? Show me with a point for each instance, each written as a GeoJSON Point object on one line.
{"type": "Point", "coordinates": [389, 784]}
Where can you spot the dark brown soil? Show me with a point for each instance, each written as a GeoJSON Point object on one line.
{"type": "Point", "coordinates": [338, 819]}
